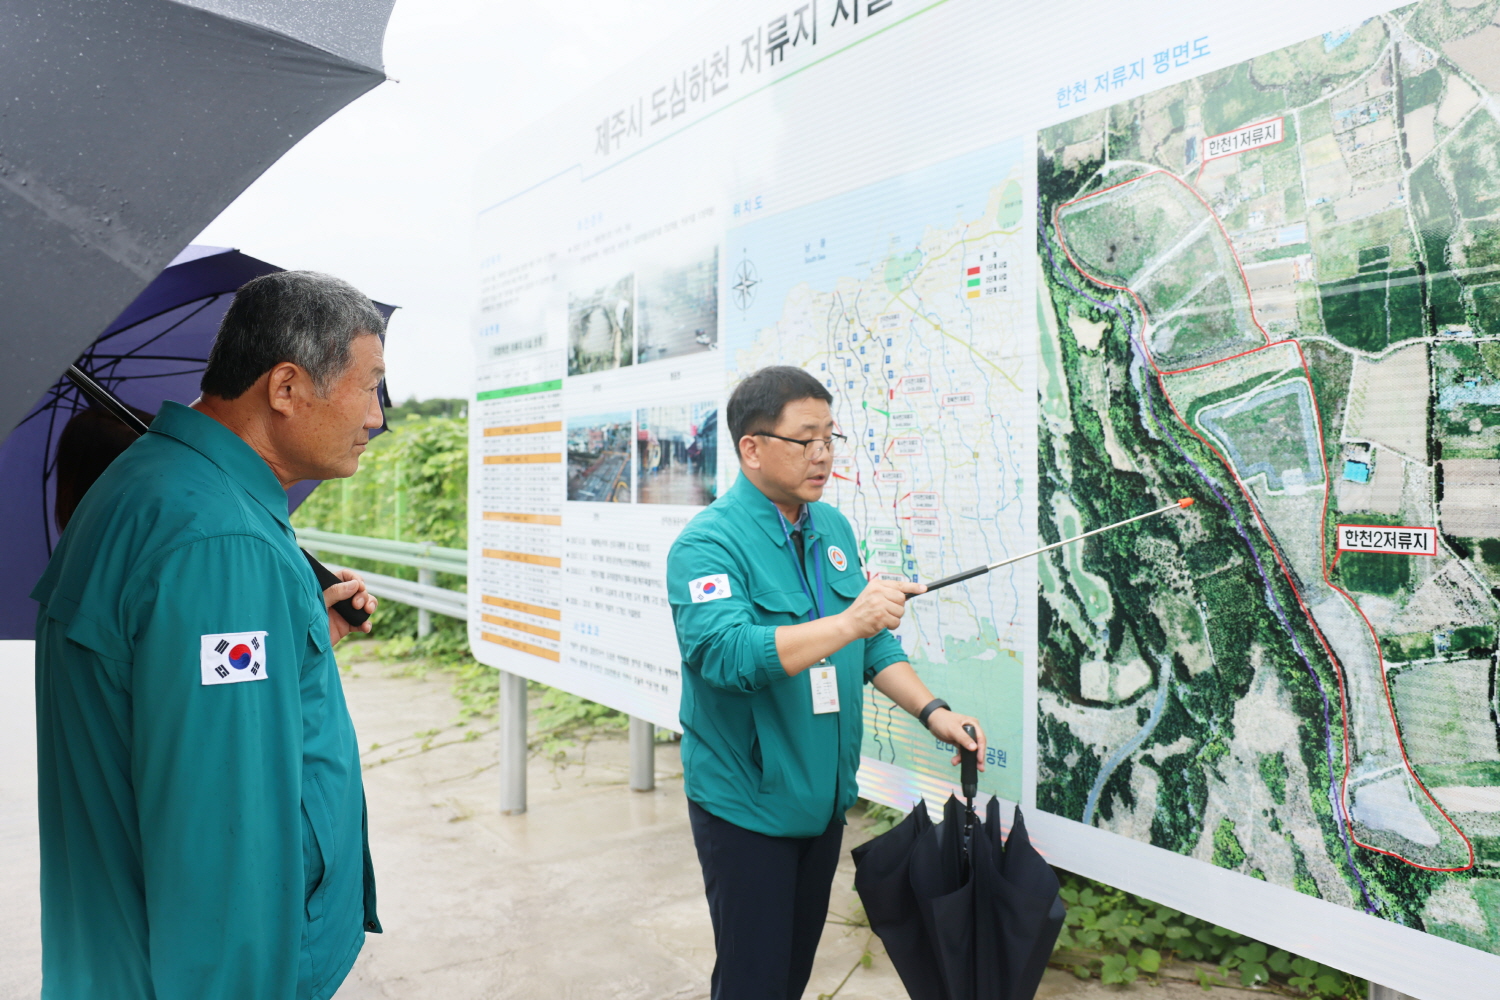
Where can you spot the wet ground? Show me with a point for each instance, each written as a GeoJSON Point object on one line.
{"type": "Point", "coordinates": [595, 892]}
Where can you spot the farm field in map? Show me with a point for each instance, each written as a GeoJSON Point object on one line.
{"type": "Point", "coordinates": [907, 300]}
{"type": "Point", "coordinates": [1276, 288]}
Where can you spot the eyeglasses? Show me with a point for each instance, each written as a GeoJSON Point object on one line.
{"type": "Point", "coordinates": [813, 448]}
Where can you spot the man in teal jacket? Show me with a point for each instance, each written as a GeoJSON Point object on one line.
{"type": "Point", "coordinates": [202, 814]}
{"type": "Point", "coordinates": [779, 631]}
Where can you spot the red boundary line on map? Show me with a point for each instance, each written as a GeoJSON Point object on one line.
{"type": "Point", "coordinates": [1275, 549]}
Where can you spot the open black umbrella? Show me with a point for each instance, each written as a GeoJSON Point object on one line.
{"type": "Point", "coordinates": [126, 127]}
{"type": "Point", "coordinates": [963, 915]}
{"type": "Point", "coordinates": [154, 351]}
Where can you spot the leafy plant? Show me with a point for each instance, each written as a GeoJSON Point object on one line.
{"type": "Point", "coordinates": [1120, 937]}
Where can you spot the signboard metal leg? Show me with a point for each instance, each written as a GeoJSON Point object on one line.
{"type": "Point", "coordinates": [428, 578]}
{"type": "Point", "coordinates": [1378, 992]}
{"type": "Point", "coordinates": [512, 744]}
{"type": "Point", "coordinates": [642, 755]}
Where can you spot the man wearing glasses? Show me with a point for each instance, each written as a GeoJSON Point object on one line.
{"type": "Point", "coordinates": [779, 631]}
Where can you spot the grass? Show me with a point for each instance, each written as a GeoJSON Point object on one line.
{"type": "Point", "coordinates": [1374, 572]}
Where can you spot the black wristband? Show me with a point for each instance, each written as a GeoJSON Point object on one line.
{"type": "Point", "coordinates": [932, 706]}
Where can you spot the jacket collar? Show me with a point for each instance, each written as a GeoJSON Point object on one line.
{"type": "Point", "coordinates": [763, 512]}
{"type": "Point", "coordinates": [228, 451]}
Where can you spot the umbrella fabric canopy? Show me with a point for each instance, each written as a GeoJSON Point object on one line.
{"type": "Point", "coordinates": [957, 926]}
{"type": "Point", "coordinates": [154, 351]}
{"type": "Point", "coordinates": [128, 125]}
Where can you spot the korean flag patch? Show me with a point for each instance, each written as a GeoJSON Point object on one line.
{"type": "Point", "coordinates": [710, 588]}
{"type": "Point", "coordinates": [232, 657]}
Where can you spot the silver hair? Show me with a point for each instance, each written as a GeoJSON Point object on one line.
{"type": "Point", "coordinates": [304, 317]}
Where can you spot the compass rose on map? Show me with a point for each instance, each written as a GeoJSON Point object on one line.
{"type": "Point", "coordinates": [745, 281]}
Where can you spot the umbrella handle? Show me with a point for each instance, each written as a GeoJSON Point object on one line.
{"type": "Point", "coordinates": [969, 768]}
{"type": "Point", "coordinates": [346, 609]}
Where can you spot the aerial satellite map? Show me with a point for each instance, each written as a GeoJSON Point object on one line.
{"type": "Point", "coordinates": [1276, 288]}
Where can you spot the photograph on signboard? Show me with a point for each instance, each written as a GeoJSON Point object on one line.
{"type": "Point", "coordinates": [601, 327]}
{"type": "Point", "coordinates": [1294, 680]}
{"type": "Point", "coordinates": [676, 450]}
{"type": "Point", "coordinates": [599, 458]}
{"type": "Point", "coordinates": [678, 306]}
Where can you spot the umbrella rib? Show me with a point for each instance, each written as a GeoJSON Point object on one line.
{"type": "Point", "coordinates": [117, 358]}
{"type": "Point", "coordinates": [136, 378]}
{"type": "Point", "coordinates": [207, 300]}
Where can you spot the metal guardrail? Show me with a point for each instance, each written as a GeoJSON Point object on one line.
{"type": "Point", "coordinates": [422, 555]}
{"type": "Point", "coordinates": [430, 560]}
{"type": "Point", "coordinates": [426, 557]}
{"type": "Point", "coordinates": [453, 603]}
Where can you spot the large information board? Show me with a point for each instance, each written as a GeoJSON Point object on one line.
{"type": "Point", "coordinates": [1058, 268]}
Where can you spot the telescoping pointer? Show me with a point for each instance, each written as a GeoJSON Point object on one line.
{"type": "Point", "coordinates": [1182, 504]}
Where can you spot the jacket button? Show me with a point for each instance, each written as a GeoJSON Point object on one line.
{"type": "Point", "coordinates": [370, 925]}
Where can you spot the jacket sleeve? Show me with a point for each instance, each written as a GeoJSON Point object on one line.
{"type": "Point", "coordinates": [217, 770]}
{"type": "Point", "coordinates": [719, 638]}
{"type": "Point", "coordinates": [881, 650]}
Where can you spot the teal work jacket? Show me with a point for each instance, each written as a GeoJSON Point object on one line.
{"type": "Point", "coordinates": [753, 751]}
{"type": "Point", "coordinates": [201, 809]}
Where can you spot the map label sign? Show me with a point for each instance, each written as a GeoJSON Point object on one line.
{"type": "Point", "coordinates": [925, 501]}
{"type": "Point", "coordinates": [924, 526]}
{"type": "Point", "coordinates": [890, 475]}
{"type": "Point", "coordinates": [916, 383]}
{"type": "Point", "coordinates": [1266, 133]}
{"type": "Point", "coordinates": [907, 446]}
{"type": "Point", "coordinates": [958, 399]}
{"type": "Point", "coordinates": [1406, 541]}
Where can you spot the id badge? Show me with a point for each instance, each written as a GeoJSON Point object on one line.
{"type": "Point", "coordinates": [825, 687]}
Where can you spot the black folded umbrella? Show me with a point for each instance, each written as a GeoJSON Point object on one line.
{"type": "Point", "coordinates": [1026, 903]}
{"type": "Point", "coordinates": [882, 877]}
{"type": "Point", "coordinates": [962, 916]}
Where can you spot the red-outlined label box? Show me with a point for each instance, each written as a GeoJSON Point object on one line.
{"type": "Point", "coordinates": [1402, 540]}
{"type": "Point", "coordinates": [1240, 140]}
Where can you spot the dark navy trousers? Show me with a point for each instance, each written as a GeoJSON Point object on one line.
{"type": "Point", "coordinates": [768, 898]}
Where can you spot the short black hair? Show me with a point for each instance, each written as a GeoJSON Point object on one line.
{"type": "Point", "coordinates": [757, 402]}
{"type": "Point", "coordinates": [304, 317]}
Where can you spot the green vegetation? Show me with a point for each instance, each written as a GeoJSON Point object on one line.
{"type": "Point", "coordinates": [1273, 773]}
{"type": "Point", "coordinates": [1120, 938]}
{"type": "Point", "coordinates": [1227, 850]}
{"type": "Point", "coordinates": [1477, 772]}
{"type": "Point", "coordinates": [1444, 712]}
{"type": "Point", "coordinates": [1475, 149]}
{"type": "Point", "coordinates": [1486, 300]}
{"type": "Point", "coordinates": [1266, 434]}
{"type": "Point", "coordinates": [1374, 572]}
{"type": "Point", "coordinates": [898, 266]}
{"type": "Point", "coordinates": [1421, 90]}
{"type": "Point", "coordinates": [1308, 69]}
{"type": "Point", "coordinates": [1232, 99]}
{"type": "Point", "coordinates": [1302, 879]}
{"type": "Point", "coordinates": [1206, 326]}
{"type": "Point", "coordinates": [1473, 636]}
{"type": "Point", "coordinates": [1408, 647]}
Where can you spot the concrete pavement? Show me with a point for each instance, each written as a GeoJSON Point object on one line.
{"type": "Point", "coordinates": [593, 893]}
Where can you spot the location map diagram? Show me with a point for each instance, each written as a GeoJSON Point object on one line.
{"type": "Point", "coordinates": [910, 300]}
{"type": "Point", "coordinates": [1276, 288]}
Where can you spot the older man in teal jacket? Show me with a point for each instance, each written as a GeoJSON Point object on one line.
{"type": "Point", "coordinates": [202, 814]}
{"type": "Point", "coordinates": [779, 632]}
